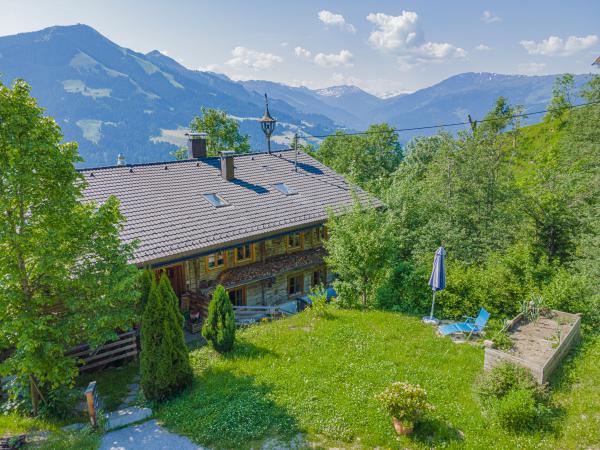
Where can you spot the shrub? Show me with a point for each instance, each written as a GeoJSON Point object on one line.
{"type": "Point", "coordinates": [318, 297]}
{"type": "Point", "coordinates": [498, 382]}
{"type": "Point", "coordinates": [145, 283]}
{"type": "Point", "coordinates": [219, 328]}
{"type": "Point", "coordinates": [517, 410]}
{"type": "Point", "coordinates": [164, 361]}
{"type": "Point", "coordinates": [404, 401]}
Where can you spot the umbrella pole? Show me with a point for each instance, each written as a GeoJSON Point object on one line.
{"type": "Point", "coordinates": [430, 320]}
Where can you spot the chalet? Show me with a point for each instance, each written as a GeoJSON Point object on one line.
{"type": "Point", "coordinates": [253, 223]}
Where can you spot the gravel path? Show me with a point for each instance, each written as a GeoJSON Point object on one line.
{"type": "Point", "coordinates": [146, 436]}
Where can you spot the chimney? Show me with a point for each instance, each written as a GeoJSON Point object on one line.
{"type": "Point", "coordinates": [120, 159]}
{"type": "Point", "coordinates": [227, 165]}
{"type": "Point", "coordinates": [197, 145]}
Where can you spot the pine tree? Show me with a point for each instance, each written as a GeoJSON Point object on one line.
{"type": "Point", "coordinates": [219, 328]}
{"type": "Point", "coordinates": [164, 360]}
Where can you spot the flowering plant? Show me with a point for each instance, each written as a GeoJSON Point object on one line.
{"type": "Point", "coordinates": [404, 401]}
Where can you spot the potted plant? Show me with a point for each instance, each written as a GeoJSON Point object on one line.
{"type": "Point", "coordinates": [406, 403]}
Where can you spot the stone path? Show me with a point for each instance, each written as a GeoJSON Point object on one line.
{"type": "Point", "coordinates": [126, 416]}
{"type": "Point", "coordinates": [146, 436]}
{"type": "Point", "coordinates": [132, 394]}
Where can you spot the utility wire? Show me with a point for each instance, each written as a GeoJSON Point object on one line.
{"type": "Point", "coordinates": [455, 124]}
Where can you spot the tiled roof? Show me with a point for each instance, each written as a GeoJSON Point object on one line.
{"type": "Point", "coordinates": [168, 216]}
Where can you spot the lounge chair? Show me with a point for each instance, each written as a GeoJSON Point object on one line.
{"type": "Point", "coordinates": [471, 325]}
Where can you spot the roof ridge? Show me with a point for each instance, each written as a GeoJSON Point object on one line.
{"type": "Point", "coordinates": [177, 161]}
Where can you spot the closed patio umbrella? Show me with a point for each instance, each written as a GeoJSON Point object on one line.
{"type": "Point", "coordinates": [437, 281]}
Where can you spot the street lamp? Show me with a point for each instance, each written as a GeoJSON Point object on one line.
{"type": "Point", "coordinates": [267, 123]}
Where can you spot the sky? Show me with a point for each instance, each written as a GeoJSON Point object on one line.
{"type": "Point", "coordinates": [385, 47]}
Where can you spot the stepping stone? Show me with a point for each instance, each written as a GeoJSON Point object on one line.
{"type": "Point", "coordinates": [126, 416]}
{"type": "Point", "coordinates": [146, 436]}
{"type": "Point", "coordinates": [74, 427]}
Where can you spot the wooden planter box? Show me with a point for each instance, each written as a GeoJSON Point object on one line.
{"type": "Point", "coordinates": [541, 369]}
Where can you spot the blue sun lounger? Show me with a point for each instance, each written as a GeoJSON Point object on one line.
{"type": "Point", "coordinates": [471, 325]}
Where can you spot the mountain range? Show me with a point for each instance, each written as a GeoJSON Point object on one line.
{"type": "Point", "coordinates": [114, 100]}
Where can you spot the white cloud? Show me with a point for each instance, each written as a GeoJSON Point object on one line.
{"type": "Point", "coordinates": [531, 68]}
{"type": "Point", "coordinates": [483, 47]}
{"type": "Point", "coordinates": [555, 46]}
{"type": "Point", "coordinates": [246, 57]}
{"type": "Point", "coordinates": [335, 20]}
{"type": "Point", "coordinates": [208, 68]}
{"type": "Point", "coordinates": [284, 44]}
{"type": "Point", "coordinates": [404, 36]}
{"type": "Point", "coordinates": [343, 58]}
{"type": "Point", "coordinates": [302, 53]}
{"type": "Point", "coordinates": [490, 17]}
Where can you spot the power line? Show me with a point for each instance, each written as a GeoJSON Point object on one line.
{"type": "Point", "coordinates": [455, 124]}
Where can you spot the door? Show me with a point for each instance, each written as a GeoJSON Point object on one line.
{"type": "Point", "coordinates": [176, 277]}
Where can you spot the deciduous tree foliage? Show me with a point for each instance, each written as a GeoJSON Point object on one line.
{"type": "Point", "coordinates": [223, 131]}
{"type": "Point", "coordinates": [219, 327]}
{"type": "Point", "coordinates": [359, 246]}
{"type": "Point", "coordinates": [367, 159]}
{"type": "Point", "coordinates": [64, 273]}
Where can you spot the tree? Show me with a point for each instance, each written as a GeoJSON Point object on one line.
{"type": "Point", "coordinates": [64, 273]}
{"type": "Point", "coordinates": [164, 360]}
{"type": "Point", "coordinates": [223, 132]}
{"type": "Point", "coordinates": [562, 98]}
{"type": "Point", "coordinates": [145, 284]}
{"type": "Point", "coordinates": [219, 328]}
{"type": "Point", "coordinates": [366, 159]}
{"type": "Point", "coordinates": [360, 244]}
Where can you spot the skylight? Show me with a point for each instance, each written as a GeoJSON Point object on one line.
{"type": "Point", "coordinates": [215, 200]}
{"type": "Point", "coordinates": [284, 189]}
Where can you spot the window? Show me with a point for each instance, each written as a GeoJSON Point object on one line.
{"type": "Point", "coordinates": [295, 285]}
{"type": "Point", "coordinates": [294, 241]}
{"type": "Point", "coordinates": [319, 276]}
{"type": "Point", "coordinates": [215, 200]}
{"type": "Point", "coordinates": [319, 234]}
{"type": "Point", "coordinates": [238, 296]}
{"type": "Point", "coordinates": [215, 261]}
{"type": "Point", "coordinates": [244, 253]}
{"type": "Point", "coordinates": [284, 189]}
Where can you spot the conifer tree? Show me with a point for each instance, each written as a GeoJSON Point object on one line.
{"type": "Point", "coordinates": [145, 283]}
{"type": "Point", "coordinates": [164, 360]}
{"type": "Point", "coordinates": [219, 328]}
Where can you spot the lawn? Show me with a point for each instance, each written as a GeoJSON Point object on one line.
{"type": "Point", "coordinates": [319, 377]}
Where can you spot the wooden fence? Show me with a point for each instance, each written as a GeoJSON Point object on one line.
{"type": "Point", "coordinates": [124, 347]}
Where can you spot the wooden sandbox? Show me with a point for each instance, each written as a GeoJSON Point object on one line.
{"type": "Point", "coordinates": [539, 346]}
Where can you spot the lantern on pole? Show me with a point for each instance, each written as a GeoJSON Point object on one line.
{"type": "Point", "coordinates": [267, 124]}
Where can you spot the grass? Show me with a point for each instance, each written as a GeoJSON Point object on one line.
{"type": "Point", "coordinates": [111, 384]}
{"type": "Point", "coordinates": [319, 377]}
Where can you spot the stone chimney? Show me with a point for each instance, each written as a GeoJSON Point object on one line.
{"type": "Point", "coordinates": [227, 168]}
{"type": "Point", "coordinates": [120, 159]}
{"type": "Point", "coordinates": [197, 145]}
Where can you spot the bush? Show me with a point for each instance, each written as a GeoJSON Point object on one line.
{"type": "Point", "coordinates": [144, 286]}
{"type": "Point", "coordinates": [517, 410]}
{"type": "Point", "coordinates": [318, 297]}
{"type": "Point", "coordinates": [164, 361]}
{"type": "Point", "coordinates": [501, 380]}
{"type": "Point", "coordinates": [404, 401]}
{"type": "Point", "coordinates": [219, 328]}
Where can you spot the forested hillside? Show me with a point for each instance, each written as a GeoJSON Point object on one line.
{"type": "Point", "coordinates": [516, 208]}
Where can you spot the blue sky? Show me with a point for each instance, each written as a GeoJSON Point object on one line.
{"type": "Point", "coordinates": [382, 46]}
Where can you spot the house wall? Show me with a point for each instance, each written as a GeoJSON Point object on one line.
{"type": "Point", "coordinates": [266, 292]}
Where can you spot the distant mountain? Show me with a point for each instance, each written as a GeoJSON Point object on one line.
{"type": "Point", "coordinates": [449, 101]}
{"type": "Point", "coordinates": [114, 100]}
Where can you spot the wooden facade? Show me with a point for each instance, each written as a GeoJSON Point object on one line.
{"type": "Point", "coordinates": [264, 273]}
